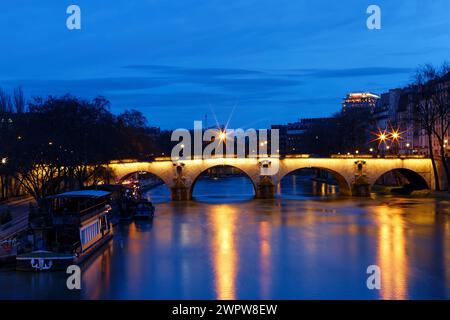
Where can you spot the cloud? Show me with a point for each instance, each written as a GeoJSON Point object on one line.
{"type": "Point", "coordinates": [239, 81]}
{"type": "Point", "coordinates": [88, 86]}
{"type": "Point", "coordinates": [348, 73]}
{"type": "Point", "coordinates": [192, 72]}
{"type": "Point", "coordinates": [308, 101]}
{"type": "Point", "coordinates": [175, 99]}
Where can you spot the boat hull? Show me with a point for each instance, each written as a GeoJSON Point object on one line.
{"type": "Point", "coordinates": [41, 261]}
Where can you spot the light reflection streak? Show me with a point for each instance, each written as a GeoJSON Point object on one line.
{"type": "Point", "coordinates": [392, 257]}
{"type": "Point", "coordinates": [97, 270]}
{"type": "Point", "coordinates": [224, 255]}
{"type": "Point", "coordinates": [265, 250]}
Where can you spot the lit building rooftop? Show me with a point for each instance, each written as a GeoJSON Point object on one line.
{"type": "Point", "coordinates": [360, 100]}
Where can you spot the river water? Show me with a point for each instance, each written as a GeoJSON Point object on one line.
{"type": "Point", "coordinates": [309, 243]}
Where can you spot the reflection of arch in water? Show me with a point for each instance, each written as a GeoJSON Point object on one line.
{"type": "Point", "coordinates": [415, 181]}
{"type": "Point", "coordinates": [202, 174]}
{"type": "Point", "coordinates": [344, 187]}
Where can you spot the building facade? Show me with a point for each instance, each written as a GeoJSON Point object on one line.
{"type": "Point", "coordinates": [360, 100]}
{"type": "Point", "coordinates": [395, 110]}
{"type": "Point", "coordinates": [292, 135]}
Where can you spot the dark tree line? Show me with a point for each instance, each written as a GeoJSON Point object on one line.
{"type": "Point", "coordinates": [63, 143]}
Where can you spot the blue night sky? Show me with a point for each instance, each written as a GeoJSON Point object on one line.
{"type": "Point", "coordinates": [261, 61]}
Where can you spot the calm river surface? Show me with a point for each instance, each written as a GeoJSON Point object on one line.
{"type": "Point", "coordinates": [298, 246]}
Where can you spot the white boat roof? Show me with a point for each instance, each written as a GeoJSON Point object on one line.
{"type": "Point", "coordinates": [83, 193]}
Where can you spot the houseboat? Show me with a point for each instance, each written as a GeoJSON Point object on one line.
{"type": "Point", "coordinates": [65, 230]}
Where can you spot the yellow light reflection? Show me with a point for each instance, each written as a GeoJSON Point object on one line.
{"type": "Point", "coordinates": [392, 257]}
{"type": "Point", "coordinates": [224, 256]}
{"type": "Point", "coordinates": [447, 251]}
{"type": "Point", "coordinates": [97, 270]}
{"type": "Point", "coordinates": [264, 233]}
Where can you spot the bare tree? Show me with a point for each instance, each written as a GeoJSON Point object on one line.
{"type": "Point", "coordinates": [425, 111]}
{"type": "Point", "coordinates": [19, 100]}
{"type": "Point", "coordinates": [5, 131]}
{"type": "Point", "coordinates": [441, 101]}
{"type": "Point", "coordinates": [5, 102]}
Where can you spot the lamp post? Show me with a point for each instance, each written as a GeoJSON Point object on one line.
{"type": "Point", "coordinates": [395, 136]}
{"type": "Point", "coordinates": [381, 138]}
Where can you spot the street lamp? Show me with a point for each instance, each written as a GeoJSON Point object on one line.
{"type": "Point", "coordinates": [395, 136]}
{"type": "Point", "coordinates": [222, 135]}
{"type": "Point", "coordinates": [4, 160]}
{"type": "Point", "coordinates": [381, 136]}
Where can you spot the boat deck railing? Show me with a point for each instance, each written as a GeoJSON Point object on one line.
{"type": "Point", "coordinates": [71, 217]}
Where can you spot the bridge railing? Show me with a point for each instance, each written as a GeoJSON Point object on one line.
{"type": "Point", "coordinates": [283, 156]}
{"type": "Point", "coordinates": [378, 156]}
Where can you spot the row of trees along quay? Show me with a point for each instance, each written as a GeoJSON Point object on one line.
{"type": "Point", "coordinates": [432, 103]}
{"type": "Point", "coordinates": [53, 144]}
{"type": "Point", "coordinates": [355, 130]}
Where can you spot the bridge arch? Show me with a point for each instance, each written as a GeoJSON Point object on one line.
{"type": "Point", "coordinates": [162, 170]}
{"type": "Point", "coordinates": [128, 175]}
{"type": "Point", "coordinates": [415, 180]}
{"type": "Point", "coordinates": [133, 173]}
{"type": "Point", "coordinates": [344, 187]}
{"type": "Point", "coordinates": [239, 169]}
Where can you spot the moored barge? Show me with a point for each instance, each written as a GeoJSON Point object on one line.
{"type": "Point", "coordinates": [65, 230]}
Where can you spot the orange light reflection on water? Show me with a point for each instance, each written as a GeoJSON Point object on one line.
{"type": "Point", "coordinates": [392, 256]}
{"type": "Point", "coordinates": [97, 270]}
{"type": "Point", "coordinates": [223, 249]}
{"type": "Point", "coordinates": [265, 250]}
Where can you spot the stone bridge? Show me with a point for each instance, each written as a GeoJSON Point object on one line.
{"type": "Point", "coordinates": [355, 175]}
